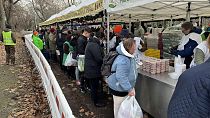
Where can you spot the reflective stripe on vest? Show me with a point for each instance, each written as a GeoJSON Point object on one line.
{"type": "Point", "coordinates": [7, 37]}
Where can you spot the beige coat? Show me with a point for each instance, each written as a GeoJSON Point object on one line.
{"type": "Point", "coordinates": [52, 41]}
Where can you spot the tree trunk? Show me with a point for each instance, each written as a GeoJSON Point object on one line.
{"type": "Point", "coordinates": [9, 16]}
{"type": "Point", "coordinates": [2, 15]}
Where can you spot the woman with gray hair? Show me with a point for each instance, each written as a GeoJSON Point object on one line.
{"type": "Point", "coordinates": [123, 79]}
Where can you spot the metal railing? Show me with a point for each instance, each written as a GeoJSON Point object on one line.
{"type": "Point", "coordinates": [58, 104]}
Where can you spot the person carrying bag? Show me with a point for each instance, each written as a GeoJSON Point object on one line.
{"type": "Point", "coordinates": [130, 108]}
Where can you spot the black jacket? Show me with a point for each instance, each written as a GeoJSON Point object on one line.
{"type": "Point", "coordinates": [93, 59]}
{"type": "Point", "coordinates": [81, 45]}
{"type": "Point", "coordinates": [191, 98]}
{"type": "Point", "coordinates": [60, 40]}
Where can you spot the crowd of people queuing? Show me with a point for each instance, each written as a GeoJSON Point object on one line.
{"type": "Point", "coordinates": [90, 45]}
{"type": "Point", "coordinates": [56, 44]}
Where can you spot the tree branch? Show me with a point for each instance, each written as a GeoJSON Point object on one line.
{"type": "Point", "coordinates": [16, 2]}
{"type": "Point", "coordinates": [36, 11]}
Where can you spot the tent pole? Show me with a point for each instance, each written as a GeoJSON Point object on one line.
{"type": "Point", "coordinates": [171, 23]}
{"type": "Point", "coordinates": [108, 27]}
{"type": "Point", "coordinates": [200, 20]}
{"type": "Point", "coordinates": [129, 22]}
{"type": "Point", "coordinates": [139, 24]}
{"type": "Point", "coordinates": [188, 11]}
{"type": "Point", "coordinates": [104, 18]}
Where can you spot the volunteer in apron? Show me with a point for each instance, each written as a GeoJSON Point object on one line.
{"type": "Point", "coordinates": [189, 41]}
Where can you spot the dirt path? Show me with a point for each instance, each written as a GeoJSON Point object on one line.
{"type": "Point", "coordinates": [81, 104]}
{"type": "Point", "coordinates": [21, 92]}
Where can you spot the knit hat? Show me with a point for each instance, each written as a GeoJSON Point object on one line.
{"type": "Point", "coordinates": [124, 33]}
{"type": "Point", "coordinates": [117, 29]}
{"type": "Point", "coordinates": [52, 30]}
{"type": "Point", "coordinates": [36, 33]}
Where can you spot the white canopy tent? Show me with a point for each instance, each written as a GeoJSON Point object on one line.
{"type": "Point", "coordinates": [66, 11]}
{"type": "Point", "coordinates": [147, 10]}
{"type": "Point", "coordinates": [69, 10]}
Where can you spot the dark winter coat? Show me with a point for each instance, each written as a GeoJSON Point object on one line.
{"type": "Point", "coordinates": [93, 59]}
{"type": "Point", "coordinates": [191, 98]}
{"type": "Point", "coordinates": [60, 40]}
{"type": "Point", "coordinates": [81, 45]}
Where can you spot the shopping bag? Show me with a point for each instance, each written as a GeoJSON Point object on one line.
{"type": "Point", "coordinates": [130, 108]}
{"type": "Point", "coordinates": [70, 61]}
{"type": "Point", "coordinates": [81, 63]}
{"type": "Point", "coordinates": [58, 52]}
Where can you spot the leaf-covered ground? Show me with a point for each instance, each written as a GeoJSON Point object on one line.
{"type": "Point", "coordinates": [21, 92]}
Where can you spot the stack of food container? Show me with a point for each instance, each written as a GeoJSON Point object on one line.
{"type": "Point", "coordinates": [154, 65]}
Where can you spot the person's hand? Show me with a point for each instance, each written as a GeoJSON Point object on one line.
{"type": "Point", "coordinates": [132, 92]}
{"type": "Point", "coordinates": [173, 52]}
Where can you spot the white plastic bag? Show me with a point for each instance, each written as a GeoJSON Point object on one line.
{"type": "Point", "coordinates": [130, 108]}
{"type": "Point", "coordinates": [81, 63]}
{"type": "Point", "coordinates": [58, 52]}
{"type": "Point", "coordinates": [70, 61]}
{"type": "Point", "coordinates": [179, 67]}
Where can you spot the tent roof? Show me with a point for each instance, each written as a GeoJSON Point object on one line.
{"type": "Point", "coordinates": [145, 10]}
{"type": "Point", "coordinates": [74, 11]}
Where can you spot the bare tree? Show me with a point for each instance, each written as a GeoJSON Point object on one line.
{"type": "Point", "coordinates": [46, 8]}
{"type": "Point", "coordinates": [2, 15]}
{"type": "Point", "coordinates": [8, 6]}
{"type": "Point", "coordinates": [26, 16]}
{"type": "Point", "coordinates": [22, 18]}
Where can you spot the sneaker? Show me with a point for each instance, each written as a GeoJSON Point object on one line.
{"type": "Point", "coordinates": [82, 90]}
{"type": "Point", "coordinates": [88, 89]}
{"type": "Point", "coordinates": [100, 104]}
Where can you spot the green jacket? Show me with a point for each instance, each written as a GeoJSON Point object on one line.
{"type": "Point", "coordinates": [71, 49]}
{"type": "Point", "coordinates": [38, 42]}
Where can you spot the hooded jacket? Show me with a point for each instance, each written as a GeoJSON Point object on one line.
{"type": "Point", "coordinates": [81, 45]}
{"type": "Point", "coordinates": [124, 66]}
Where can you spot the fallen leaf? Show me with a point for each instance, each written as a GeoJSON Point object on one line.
{"type": "Point", "coordinates": [87, 113]}
{"type": "Point", "coordinates": [20, 77]}
{"type": "Point", "coordinates": [12, 104]}
{"type": "Point", "coordinates": [18, 113]}
{"type": "Point", "coordinates": [70, 85]}
{"type": "Point", "coordinates": [74, 89]}
{"type": "Point", "coordinates": [10, 116]}
{"type": "Point", "coordinates": [82, 110]}
{"type": "Point", "coordinates": [12, 90]}
{"type": "Point", "coordinates": [91, 113]}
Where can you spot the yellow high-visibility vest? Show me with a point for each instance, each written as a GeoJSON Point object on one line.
{"type": "Point", "coordinates": [7, 38]}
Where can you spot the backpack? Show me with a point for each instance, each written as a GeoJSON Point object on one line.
{"type": "Point", "coordinates": [107, 63]}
